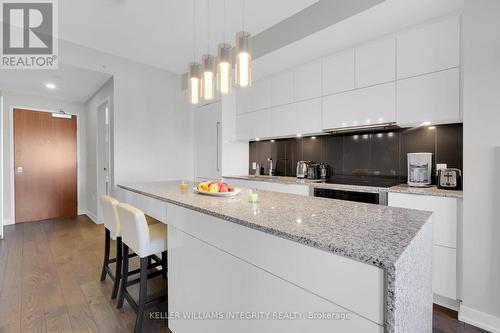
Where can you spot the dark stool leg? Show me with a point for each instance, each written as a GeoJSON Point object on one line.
{"type": "Point", "coordinates": [118, 269]}
{"type": "Point", "coordinates": [106, 254]}
{"type": "Point", "coordinates": [164, 264]}
{"type": "Point", "coordinates": [124, 279]}
{"type": "Point", "coordinates": [143, 292]}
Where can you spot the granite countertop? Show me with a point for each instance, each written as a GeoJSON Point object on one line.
{"type": "Point", "coordinates": [401, 188]}
{"type": "Point", "coordinates": [373, 234]}
{"type": "Point", "coordinates": [431, 190]}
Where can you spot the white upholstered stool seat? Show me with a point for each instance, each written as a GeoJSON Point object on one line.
{"type": "Point", "coordinates": [145, 240]}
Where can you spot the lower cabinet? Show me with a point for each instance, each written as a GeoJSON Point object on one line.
{"type": "Point", "coordinates": [268, 186]}
{"type": "Point", "coordinates": [447, 215]}
{"type": "Point", "coordinates": [223, 269]}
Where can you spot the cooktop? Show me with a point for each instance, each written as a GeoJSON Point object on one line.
{"type": "Point", "coordinates": [365, 181]}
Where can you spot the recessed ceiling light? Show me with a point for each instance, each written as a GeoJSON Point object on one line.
{"type": "Point", "coordinates": [425, 123]}
{"type": "Point", "coordinates": [257, 139]}
{"type": "Point", "coordinates": [299, 135]}
{"type": "Point", "coordinates": [313, 138]}
{"type": "Point", "coordinates": [50, 85]}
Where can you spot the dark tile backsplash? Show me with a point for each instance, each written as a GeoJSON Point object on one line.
{"type": "Point", "coordinates": [363, 155]}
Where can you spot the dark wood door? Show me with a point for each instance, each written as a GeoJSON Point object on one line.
{"type": "Point", "coordinates": [45, 166]}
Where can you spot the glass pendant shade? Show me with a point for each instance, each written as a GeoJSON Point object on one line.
{"type": "Point", "coordinates": [194, 78]}
{"type": "Point", "coordinates": [208, 62]}
{"type": "Point", "coordinates": [243, 59]}
{"type": "Point", "coordinates": [224, 68]}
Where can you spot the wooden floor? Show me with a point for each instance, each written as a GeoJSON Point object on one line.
{"type": "Point", "coordinates": [49, 282]}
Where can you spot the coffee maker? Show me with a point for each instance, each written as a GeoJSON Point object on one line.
{"type": "Point", "coordinates": [419, 169]}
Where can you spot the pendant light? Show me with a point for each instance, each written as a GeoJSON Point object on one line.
{"type": "Point", "coordinates": [243, 55]}
{"type": "Point", "coordinates": [224, 63]}
{"type": "Point", "coordinates": [194, 69]}
{"type": "Point", "coordinates": [208, 62]}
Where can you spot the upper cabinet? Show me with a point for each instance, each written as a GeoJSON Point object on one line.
{"type": "Point", "coordinates": [207, 141]}
{"type": "Point", "coordinates": [307, 81]}
{"type": "Point", "coordinates": [296, 118]}
{"type": "Point", "coordinates": [433, 97]}
{"type": "Point", "coordinates": [252, 125]}
{"type": "Point", "coordinates": [367, 106]}
{"type": "Point", "coordinates": [376, 62]}
{"type": "Point", "coordinates": [261, 94]}
{"type": "Point", "coordinates": [429, 48]}
{"type": "Point", "coordinates": [282, 88]}
{"type": "Point", "coordinates": [338, 73]}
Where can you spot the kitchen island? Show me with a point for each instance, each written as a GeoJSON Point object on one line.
{"type": "Point", "coordinates": [290, 263]}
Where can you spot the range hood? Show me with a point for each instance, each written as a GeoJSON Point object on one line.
{"type": "Point", "coordinates": [363, 128]}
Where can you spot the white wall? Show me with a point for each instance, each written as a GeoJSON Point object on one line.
{"type": "Point", "coordinates": [14, 99]}
{"type": "Point", "coordinates": [152, 121]}
{"type": "Point", "coordinates": [101, 95]}
{"type": "Point", "coordinates": [481, 267]}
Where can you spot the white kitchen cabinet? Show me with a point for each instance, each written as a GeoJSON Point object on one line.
{"type": "Point", "coordinates": [447, 212]}
{"type": "Point", "coordinates": [429, 48]}
{"type": "Point", "coordinates": [243, 100]}
{"type": "Point", "coordinates": [205, 279]}
{"type": "Point", "coordinates": [269, 186]}
{"type": "Point", "coordinates": [252, 125]}
{"type": "Point", "coordinates": [307, 81]}
{"type": "Point", "coordinates": [207, 141]}
{"type": "Point", "coordinates": [376, 62]}
{"type": "Point", "coordinates": [296, 118]}
{"type": "Point", "coordinates": [261, 94]}
{"type": "Point", "coordinates": [366, 106]}
{"type": "Point", "coordinates": [432, 97]}
{"type": "Point", "coordinates": [338, 72]}
{"type": "Point", "coordinates": [282, 88]}
{"type": "Point", "coordinates": [444, 271]}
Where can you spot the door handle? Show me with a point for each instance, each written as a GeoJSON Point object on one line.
{"type": "Point", "coordinates": [19, 169]}
{"type": "Point", "coordinates": [217, 143]}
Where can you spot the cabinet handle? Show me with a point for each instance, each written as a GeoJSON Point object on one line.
{"type": "Point", "coordinates": [217, 144]}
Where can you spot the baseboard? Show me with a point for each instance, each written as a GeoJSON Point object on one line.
{"type": "Point", "coordinates": [92, 217]}
{"type": "Point", "coordinates": [7, 222]}
{"type": "Point", "coordinates": [446, 302]}
{"type": "Point", "coordinates": [479, 319]}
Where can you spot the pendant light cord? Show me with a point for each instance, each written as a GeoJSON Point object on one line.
{"type": "Point", "coordinates": [194, 31]}
{"type": "Point", "coordinates": [224, 28]}
{"type": "Point", "coordinates": [243, 15]}
{"type": "Point", "coordinates": [208, 27]}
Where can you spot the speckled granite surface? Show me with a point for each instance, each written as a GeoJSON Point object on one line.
{"type": "Point", "coordinates": [403, 188]}
{"type": "Point", "coordinates": [432, 190]}
{"type": "Point", "coordinates": [374, 234]}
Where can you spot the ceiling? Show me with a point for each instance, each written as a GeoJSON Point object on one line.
{"type": "Point", "coordinates": [72, 84]}
{"type": "Point", "coordinates": [160, 32]}
{"type": "Point", "coordinates": [385, 18]}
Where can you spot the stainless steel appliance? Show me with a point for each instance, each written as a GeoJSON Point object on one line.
{"type": "Point", "coordinates": [450, 179]}
{"type": "Point", "coordinates": [324, 171]}
{"type": "Point", "coordinates": [359, 190]}
{"type": "Point", "coordinates": [419, 169]}
{"type": "Point", "coordinates": [302, 169]}
{"type": "Point", "coordinates": [373, 197]}
{"type": "Point", "coordinates": [313, 171]}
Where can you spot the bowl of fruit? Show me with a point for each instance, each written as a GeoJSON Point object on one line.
{"type": "Point", "coordinates": [216, 189]}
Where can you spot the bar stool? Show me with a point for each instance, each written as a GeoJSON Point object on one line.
{"type": "Point", "coordinates": [112, 231]}
{"type": "Point", "coordinates": [145, 240]}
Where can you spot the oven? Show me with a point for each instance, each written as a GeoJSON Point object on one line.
{"type": "Point", "coordinates": [373, 197]}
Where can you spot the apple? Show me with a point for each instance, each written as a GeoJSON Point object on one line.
{"type": "Point", "coordinates": [230, 188]}
{"type": "Point", "coordinates": [223, 188]}
{"type": "Point", "coordinates": [214, 187]}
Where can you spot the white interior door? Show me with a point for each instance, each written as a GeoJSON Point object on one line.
{"type": "Point", "coordinates": [103, 153]}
